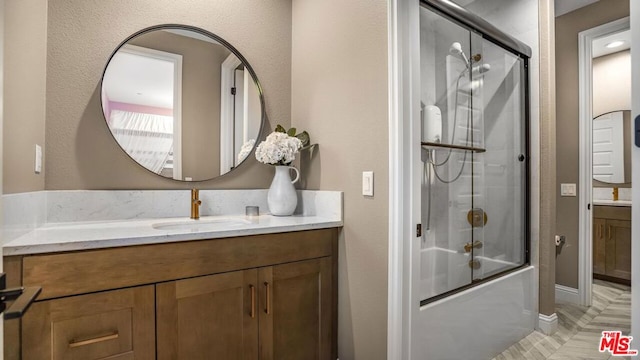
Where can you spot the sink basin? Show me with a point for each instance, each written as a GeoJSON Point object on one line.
{"type": "Point", "coordinates": [201, 225]}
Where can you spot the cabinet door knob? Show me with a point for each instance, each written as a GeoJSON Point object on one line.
{"type": "Point", "coordinates": [268, 298]}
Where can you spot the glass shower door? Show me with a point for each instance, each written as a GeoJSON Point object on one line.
{"type": "Point", "coordinates": [473, 198]}
{"type": "Point", "coordinates": [500, 177]}
{"type": "Point", "coordinates": [451, 125]}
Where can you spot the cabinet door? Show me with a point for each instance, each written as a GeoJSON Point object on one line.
{"type": "Point", "coordinates": [116, 324]}
{"type": "Point", "coordinates": [208, 317]}
{"type": "Point", "coordinates": [619, 249]}
{"type": "Point", "coordinates": [295, 310]}
{"type": "Point", "coordinates": [599, 259]}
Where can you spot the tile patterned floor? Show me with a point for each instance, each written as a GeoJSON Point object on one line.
{"type": "Point", "coordinates": [579, 328]}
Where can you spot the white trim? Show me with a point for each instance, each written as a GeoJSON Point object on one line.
{"type": "Point", "coordinates": [548, 324]}
{"type": "Point", "coordinates": [404, 179]}
{"type": "Point", "coordinates": [176, 59]}
{"type": "Point", "coordinates": [634, 10]}
{"type": "Point", "coordinates": [585, 226]}
{"type": "Point", "coordinates": [226, 113]}
{"type": "Point", "coordinates": [395, 327]}
{"type": "Point", "coordinates": [565, 294]}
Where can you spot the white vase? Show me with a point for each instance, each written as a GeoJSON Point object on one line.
{"type": "Point", "coordinates": [282, 197]}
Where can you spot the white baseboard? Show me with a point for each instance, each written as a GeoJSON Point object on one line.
{"type": "Point", "coordinates": [548, 324]}
{"type": "Point", "coordinates": [565, 294]}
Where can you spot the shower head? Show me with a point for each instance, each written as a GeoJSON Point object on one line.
{"type": "Point", "coordinates": [456, 50]}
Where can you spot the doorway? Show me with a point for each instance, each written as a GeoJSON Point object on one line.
{"type": "Point", "coordinates": [604, 114]}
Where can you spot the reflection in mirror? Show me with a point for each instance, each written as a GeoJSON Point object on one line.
{"type": "Point", "coordinates": [611, 148]}
{"type": "Point", "coordinates": [182, 102]}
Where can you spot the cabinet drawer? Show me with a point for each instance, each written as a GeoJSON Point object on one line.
{"type": "Point", "coordinates": [612, 212]}
{"type": "Point", "coordinates": [82, 272]}
{"type": "Point", "coordinates": [114, 325]}
{"type": "Point", "coordinates": [93, 336]}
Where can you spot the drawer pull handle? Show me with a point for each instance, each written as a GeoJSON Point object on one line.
{"type": "Point", "coordinates": [253, 301]}
{"type": "Point", "coordinates": [267, 295]}
{"type": "Point", "coordinates": [75, 344]}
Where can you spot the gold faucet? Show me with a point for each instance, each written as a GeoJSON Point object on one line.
{"type": "Point", "coordinates": [195, 204]}
{"type": "Point", "coordinates": [615, 194]}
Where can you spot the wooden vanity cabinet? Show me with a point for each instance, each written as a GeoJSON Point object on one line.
{"type": "Point", "coordinates": [94, 326]}
{"type": "Point", "coordinates": [612, 243]}
{"type": "Point", "coordinates": [254, 297]}
{"type": "Point", "coordinates": [276, 312]}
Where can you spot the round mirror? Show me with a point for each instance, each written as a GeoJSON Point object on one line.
{"type": "Point", "coordinates": [182, 102]}
{"type": "Point", "coordinates": [612, 147]}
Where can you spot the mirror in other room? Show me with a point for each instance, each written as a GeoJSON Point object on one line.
{"type": "Point", "coordinates": [182, 102]}
{"type": "Point", "coordinates": [612, 147]}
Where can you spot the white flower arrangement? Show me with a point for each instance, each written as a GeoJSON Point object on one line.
{"type": "Point", "coordinates": [278, 149]}
{"type": "Point", "coordinates": [245, 150]}
{"type": "Point", "coordinates": [281, 146]}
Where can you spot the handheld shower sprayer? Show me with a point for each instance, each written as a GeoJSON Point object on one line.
{"type": "Point", "coordinates": [456, 50]}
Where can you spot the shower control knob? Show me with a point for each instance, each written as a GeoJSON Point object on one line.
{"type": "Point", "coordinates": [521, 157]}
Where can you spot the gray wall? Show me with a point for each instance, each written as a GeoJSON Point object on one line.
{"type": "Point", "coordinates": [567, 28]}
{"type": "Point", "coordinates": [25, 51]}
{"type": "Point", "coordinates": [339, 95]}
{"type": "Point", "coordinates": [80, 36]}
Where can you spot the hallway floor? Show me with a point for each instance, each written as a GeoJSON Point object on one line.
{"type": "Point", "coordinates": [580, 328]}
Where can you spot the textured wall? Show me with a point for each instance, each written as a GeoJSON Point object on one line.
{"type": "Point", "coordinates": [567, 142]}
{"type": "Point", "coordinates": [339, 94]}
{"type": "Point", "coordinates": [545, 137]}
{"type": "Point", "coordinates": [81, 34]}
{"type": "Point", "coordinates": [25, 51]}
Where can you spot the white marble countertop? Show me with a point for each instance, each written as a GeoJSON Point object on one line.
{"type": "Point", "coordinates": [73, 236]}
{"type": "Point", "coordinates": [612, 203]}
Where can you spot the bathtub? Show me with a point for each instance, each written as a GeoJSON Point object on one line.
{"type": "Point", "coordinates": [477, 323]}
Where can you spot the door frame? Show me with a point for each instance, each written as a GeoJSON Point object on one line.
{"type": "Point", "coordinates": [404, 206]}
{"type": "Point", "coordinates": [585, 185]}
{"type": "Point", "coordinates": [176, 60]}
{"type": "Point", "coordinates": [228, 68]}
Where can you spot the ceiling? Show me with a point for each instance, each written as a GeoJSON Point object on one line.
{"type": "Point", "coordinates": [599, 44]}
{"type": "Point", "coordinates": [137, 79]}
{"type": "Point", "coordinates": [566, 6]}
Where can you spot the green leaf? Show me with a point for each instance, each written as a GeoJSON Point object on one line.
{"type": "Point", "coordinates": [280, 129]}
{"type": "Point", "coordinates": [304, 138]}
{"type": "Point", "coordinates": [291, 132]}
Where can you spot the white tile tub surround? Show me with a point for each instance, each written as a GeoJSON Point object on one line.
{"type": "Point", "coordinates": [481, 322]}
{"type": "Point", "coordinates": [75, 220]}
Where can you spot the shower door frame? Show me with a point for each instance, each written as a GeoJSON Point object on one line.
{"type": "Point", "coordinates": [477, 25]}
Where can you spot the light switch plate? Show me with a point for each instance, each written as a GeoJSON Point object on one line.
{"type": "Point", "coordinates": [367, 183]}
{"type": "Point", "coordinates": [38, 161]}
{"type": "Point", "coordinates": [567, 189]}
